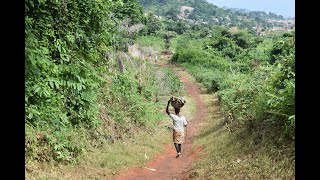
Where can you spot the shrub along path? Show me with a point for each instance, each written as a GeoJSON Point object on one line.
{"type": "Point", "coordinates": [166, 165]}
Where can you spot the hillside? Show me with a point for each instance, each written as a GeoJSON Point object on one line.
{"type": "Point", "coordinates": [204, 12]}
{"type": "Point", "coordinates": [99, 75]}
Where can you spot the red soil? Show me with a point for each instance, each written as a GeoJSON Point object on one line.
{"type": "Point", "coordinates": [167, 166]}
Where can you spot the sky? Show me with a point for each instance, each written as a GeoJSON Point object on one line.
{"type": "Point", "coordinates": [286, 8]}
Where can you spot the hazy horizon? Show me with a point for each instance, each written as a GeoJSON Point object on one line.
{"type": "Point", "coordinates": [286, 8]}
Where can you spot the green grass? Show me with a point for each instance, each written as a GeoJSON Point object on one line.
{"type": "Point", "coordinates": [157, 43]}
{"type": "Point", "coordinates": [107, 160]}
{"type": "Point", "coordinates": [237, 155]}
{"type": "Point", "coordinates": [104, 159]}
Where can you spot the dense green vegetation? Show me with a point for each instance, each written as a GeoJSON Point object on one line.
{"type": "Point", "coordinates": [84, 90]}
{"type": "Point", "coordinates": [254, 77]}
{"type": "Point", "coordinates": [78, 77]}
{"type": "Point", "coordinates": [207, 13]}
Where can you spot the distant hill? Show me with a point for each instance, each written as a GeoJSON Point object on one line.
{"type": "Point", "coordinates": [255, 14]}
{"type": "Point", "coordinates": [201, 11]}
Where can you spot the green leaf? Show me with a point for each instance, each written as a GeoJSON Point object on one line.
{"type": "Point", "coordinates": [65, 57]}
{"type": "Point", "coordinates": [56, 83]}
{"type": "Point", "coordinates": [30, 115]}
{"type": "Point", "coordinates": [79, 87]}
{"type": "Point", "coordinates": [37, 89]}
{"type": "Point", "coordinates": [46, 93]}
{"type": "Point", "coordinates": [291, 117]}
{"type": "Point", "coordinates": [51, 84]}
{"type": "Point", "coordinates": [272, 95]}
{"type": "Point", "coordinates": [45, 50]}
{"type": "Point", "coordinates": [70, 38]}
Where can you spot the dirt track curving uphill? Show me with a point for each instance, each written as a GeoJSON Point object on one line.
{"type": "Point", "coordinates": [167, 166]}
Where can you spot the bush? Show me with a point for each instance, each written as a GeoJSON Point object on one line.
{"type": "Point", "coordinates": [254, 79]}
{"type": "Point", "coordinates": [68, 73]}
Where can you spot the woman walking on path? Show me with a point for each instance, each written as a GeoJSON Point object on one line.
{"type": "Point", "coordinates": [179, 122]}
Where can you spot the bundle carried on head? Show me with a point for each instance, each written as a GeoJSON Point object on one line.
{"type": "Point", "coordinates": [177, 102]}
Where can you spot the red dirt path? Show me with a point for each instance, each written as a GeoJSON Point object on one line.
{"type": "Point", "coordinates": [167, 166]}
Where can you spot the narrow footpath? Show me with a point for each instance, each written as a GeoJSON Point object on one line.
{"type": "Point", "coordinates": [166, 165]}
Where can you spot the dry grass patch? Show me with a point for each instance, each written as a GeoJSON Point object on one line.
{"type": "Point", "coordinates": [106, 161]}
{"type": "Point", "coordinates": [236, 155]}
